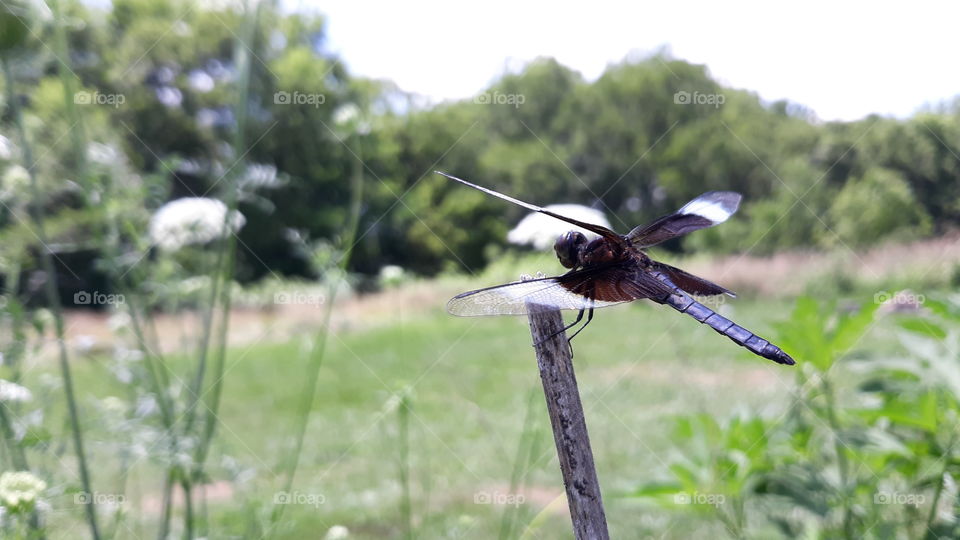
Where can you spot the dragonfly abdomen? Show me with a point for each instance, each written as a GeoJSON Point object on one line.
{"type": "Point", "coordinates": [738, 334]}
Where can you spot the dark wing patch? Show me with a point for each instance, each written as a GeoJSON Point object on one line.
{"type": "Point", "coordinates": [691, 283]}
{"type": "Point", "coordinates": [617, 283]}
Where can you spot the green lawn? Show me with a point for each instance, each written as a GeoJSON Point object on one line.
{"type": "Point", "coordinates": [638, 365]}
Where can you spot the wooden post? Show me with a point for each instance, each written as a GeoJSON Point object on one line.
{"type": "Point", "coordinates": [569, 425]}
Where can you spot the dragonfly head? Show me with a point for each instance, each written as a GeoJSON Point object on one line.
{"type": "Point", "coordinates": [569, 248]}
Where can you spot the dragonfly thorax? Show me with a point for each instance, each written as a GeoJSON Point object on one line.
{"type": "Point", "coordinates": [598, 251]}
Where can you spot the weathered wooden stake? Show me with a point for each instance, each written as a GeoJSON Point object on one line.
{"type": "Point", "coordinates": [569, 425]}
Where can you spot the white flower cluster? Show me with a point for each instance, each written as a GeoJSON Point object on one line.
{"type": "Point", "coordinates": [542, 231]}
{"type": "Point", "coordinates": [192, 220]}
{"type": "Point", "coordinates": [11, 392]}
{"type": "Point", "coordinates": [260, 176]}
{"type": "Point", "coordinates": [20, 490]}
{"type": "Point", "coordinates": [337, 532]}
{"type": "Point", "coordinates": [7, 148]}
{"type": "Point", "coordinates": [14, 181]}
{"type": "Point", "coordinates": [391, 274]}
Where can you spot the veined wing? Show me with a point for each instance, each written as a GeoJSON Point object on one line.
{"type": "Point", "coordinates": [711, 208]}
{"type": "Point", "coordinates": [516, 298]}
{"type": "Point", "coordinates": [584, 289]}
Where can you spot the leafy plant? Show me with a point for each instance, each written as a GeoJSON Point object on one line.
{"type": "Point", "coordinates": [880, 462]}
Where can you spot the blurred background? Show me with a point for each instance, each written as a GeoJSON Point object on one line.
{"type": "Point", "coordinates": [224, 259]}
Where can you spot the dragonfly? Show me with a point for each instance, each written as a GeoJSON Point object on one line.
{"type": "Point", "coordinates": [614, 268]}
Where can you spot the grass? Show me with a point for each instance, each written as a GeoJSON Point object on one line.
{"type": "Point", "coordinates": [637, 365]}
{"type": "Point", "coordinates": [469, 382]}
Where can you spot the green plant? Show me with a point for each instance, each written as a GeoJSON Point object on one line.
{"type": "Point", "coordinates": [868, 447]}
{"type": "Point", "coordinates": [718, 470]}
{"type": "Point", "coordinates": [35, 210]}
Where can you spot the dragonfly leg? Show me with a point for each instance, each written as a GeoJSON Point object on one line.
{"type": "Point", "coordinates": [589, 318]}
{"type": "Point", "coordinates": [564, 329]}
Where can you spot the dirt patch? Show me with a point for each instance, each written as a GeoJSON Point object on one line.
{"type": "Point", "coordinates": [95, 333]}
{"type": "Point", "coordinates": [152, 504]}
{"type": "Point", "coordinates": [787, 274]}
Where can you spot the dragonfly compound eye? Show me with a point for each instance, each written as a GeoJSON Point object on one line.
{"type": "Point", "coordinates": [569, 247]}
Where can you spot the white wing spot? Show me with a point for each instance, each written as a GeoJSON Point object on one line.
{"type": "Point", "coordinates": [712, 210]}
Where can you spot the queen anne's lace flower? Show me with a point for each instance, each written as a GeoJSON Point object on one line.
{"type": "Point", "coordinates": [337, 532]}
{"type": "Point", "coordinates": [19, 491]}
{"type": "Point", "coordinates": [7, 148]}
{"type": "Point", "coordinates": [191, 220]}
{"type": "Point", "coordinates": [14, 181]}
{"type": "Point", "coordinates": [391, 274]}
{"type": "Point", "coordinates": [11, 392]}
{"type": "Point", "coordinates": [542, 231]}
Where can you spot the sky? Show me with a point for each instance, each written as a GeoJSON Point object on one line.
{"type": "Point", "coordinates": [844, 60]}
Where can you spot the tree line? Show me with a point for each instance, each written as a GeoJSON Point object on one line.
{"type": "Point", "coordinates": [153, 93]}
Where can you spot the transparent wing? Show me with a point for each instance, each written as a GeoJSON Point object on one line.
{"type": "Point", "coordinates": [515, 299]}
{"type": "Point", "coordinates": [586, 289]}
{"type": "Point", "coordinates": [711, 208]}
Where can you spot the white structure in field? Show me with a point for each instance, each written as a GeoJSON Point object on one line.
{"type": "Point", "coordinates": [542, 231]}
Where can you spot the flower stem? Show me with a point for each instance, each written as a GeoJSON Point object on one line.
{"type": "Point", "coordinates": [938, 492]}
{"type": "Point", "coordinates": [52, 297]}
{"type": "Point", "coordinates": [226, 257]}
{"type": "Point", "coordinates": [403, 419]}
{"type": "Point", "coordinates": [841, 456]}
{"type": "Point", "coordinates": [319, 346]}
